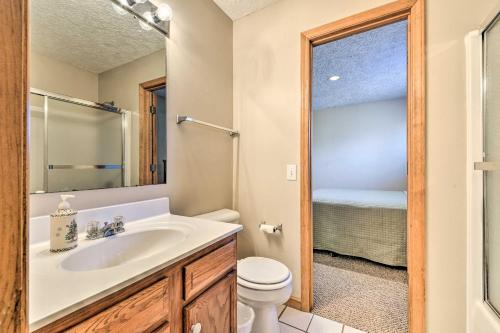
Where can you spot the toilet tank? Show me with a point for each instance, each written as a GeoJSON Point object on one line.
{"type": "Point", "coordinates": [222, 215]}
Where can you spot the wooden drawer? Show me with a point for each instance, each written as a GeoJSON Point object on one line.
{"type": "Point", "coordinates": [201, 273]}
{"type": "Point", "coordinates": [142, 312]}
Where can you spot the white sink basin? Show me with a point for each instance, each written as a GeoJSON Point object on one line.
{"type": "Point", "coordinates": [124, 248]}
{"type": "Point", "coordinates": [62, 283]}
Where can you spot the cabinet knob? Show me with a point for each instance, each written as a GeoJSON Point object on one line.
{"type": "Point", "coordinates": [196, 328]}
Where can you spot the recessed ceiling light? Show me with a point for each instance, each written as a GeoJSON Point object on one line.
{"type": "Point", "coordinates": [334, 78]}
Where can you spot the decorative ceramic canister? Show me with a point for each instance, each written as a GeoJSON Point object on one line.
{"type": "Point", "coordinates": [63, 227]}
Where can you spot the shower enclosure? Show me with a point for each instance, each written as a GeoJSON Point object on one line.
{"type": "Point", "coordinates": [491, 162]}
{"type": "Point", "coordinates": [83, 144]}
{"type": "Point", "coordinates": [483, 183]}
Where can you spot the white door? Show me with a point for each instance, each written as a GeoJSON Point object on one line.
{"type": "Point", "coordinates": [483, 164]}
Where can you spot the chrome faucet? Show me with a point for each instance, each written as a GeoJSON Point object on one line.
{"type": "Point", "coordinates": [94, 231]}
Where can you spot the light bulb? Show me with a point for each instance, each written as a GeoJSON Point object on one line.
{"type": "Point", "coordinates": [164, 12]}
{"type": "Point", "coordinates": [149, 17]}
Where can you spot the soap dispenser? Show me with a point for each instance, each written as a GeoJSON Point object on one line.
{"type": "Point", "coordinates": [63, 227]}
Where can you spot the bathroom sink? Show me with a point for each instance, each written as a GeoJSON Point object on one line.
{"type": "Point", "coordinates": [123, 248]}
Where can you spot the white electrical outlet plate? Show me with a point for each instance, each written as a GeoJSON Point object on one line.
{"type": "Point", "coordinates": [291, 172]}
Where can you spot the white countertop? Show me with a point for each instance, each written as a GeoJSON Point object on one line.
{"type": "Point", "coordinates": [55, 292]}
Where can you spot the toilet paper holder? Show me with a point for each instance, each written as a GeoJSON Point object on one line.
{"type": "Point", "coordinates": [276, 228]}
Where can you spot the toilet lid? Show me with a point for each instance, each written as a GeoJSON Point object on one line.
{"type": "Point", "coordinates": [262, 270]}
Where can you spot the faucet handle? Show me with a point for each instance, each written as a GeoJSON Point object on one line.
{"type": "Point", "coordinates": [118, 219]}
{"type": "Point", "coordinates": [93, 229]}
{"type": "Point", "coordinates": [118, 222]}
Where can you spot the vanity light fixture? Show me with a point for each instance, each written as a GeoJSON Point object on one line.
{"type": "Point", "coordinates": [132, 3]}
{"type": "Point", "coordinates": [119, 9]}
{"type": "Point", "coordinates": [149, 17]}
{"type": "Point", "coordinates": [148, 13]}
{"type": "Point", "coordinates": [164, 12]}
{"type": "Point", "coordinates": [334, 78]}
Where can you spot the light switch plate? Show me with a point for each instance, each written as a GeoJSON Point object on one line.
{"type": "Point", "coordinates": [291, 172]}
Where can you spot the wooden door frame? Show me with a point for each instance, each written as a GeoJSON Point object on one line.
{"type": "Point", "coordinates": [413, 11]}
{"type": "Point", "coordinates": [13, 166]}
{"type": "Point", "coordinates": [147, 143]}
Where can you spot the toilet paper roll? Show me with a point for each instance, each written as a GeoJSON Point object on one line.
{"type": "Point", "coordinates": [267, 228]}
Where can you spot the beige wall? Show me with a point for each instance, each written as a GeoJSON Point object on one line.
{"type": "Point", "coordinates": [200, 74]}
{"type": "Point", "coordinates": [200, 84]}
{"type": "Point", "coordinates": [448, 23]}
{"type": "Point", "coordinates": [121, 85]}
{"type": "Point", "coordinates": [61, 78]}
{"type": "Point", "coordinates": [267, 110]}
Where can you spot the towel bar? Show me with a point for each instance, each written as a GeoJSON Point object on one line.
{"type": "Point", "coordinates": [181, 119]}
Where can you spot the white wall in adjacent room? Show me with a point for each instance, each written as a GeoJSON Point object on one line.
{"type": "Point", "coordinates": [360, 146]}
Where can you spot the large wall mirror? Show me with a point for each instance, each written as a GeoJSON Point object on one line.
{"type": "Point", "coordinates": [98, 94]}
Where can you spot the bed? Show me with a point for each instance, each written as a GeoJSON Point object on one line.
{"type": "Point", "coordinates": [362, 223]}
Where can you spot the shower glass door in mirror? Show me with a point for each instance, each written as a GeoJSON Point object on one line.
{"type": "Point", "coordinates": [90, 126]}
{"type": "Point", "coordinates": [491, 155]}
{"type": "Point", "coordinates": [92, 156]}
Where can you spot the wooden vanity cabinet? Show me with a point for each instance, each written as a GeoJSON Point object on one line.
{"type": "Point", "coordinates": [200, 289]}
{"type": "Point", "coordinates": [201, 273]}
{"type": "Point", "coordinates": [213, 311]}
{"type": "Point", "coordinates": [143, 312]}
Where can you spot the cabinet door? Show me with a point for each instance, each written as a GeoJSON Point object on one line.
{"type": "Point", "coordinates": [214, 311]}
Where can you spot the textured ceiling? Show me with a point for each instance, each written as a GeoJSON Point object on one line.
{"type": "Point", "coordinates": [236, 9]}
{"type": "Point", "coordinates": [89, 34]}
{"type": "Point", "coordinates": [371, 66]}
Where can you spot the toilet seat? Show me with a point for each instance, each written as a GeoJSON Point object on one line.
{"type": "Point", "coordinates": [262, 274]}
{"type": "Point", "coordinates": [257, 286]}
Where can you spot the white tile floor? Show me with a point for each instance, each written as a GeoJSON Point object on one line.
{"type": "Point", "coordinates": [295, 321]}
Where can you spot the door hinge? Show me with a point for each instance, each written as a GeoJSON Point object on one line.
{"type": "Point", "coordinates": [152, 109]}
{"type": "Point", "coordinates": [152, 168]}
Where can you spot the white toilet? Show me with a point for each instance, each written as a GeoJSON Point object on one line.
{"type": "Point", "coordinates": [263, 283]}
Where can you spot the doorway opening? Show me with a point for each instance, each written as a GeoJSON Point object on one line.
{"type": "Point", "coordinates": [152, 132]}
{"type": "Point", "coordinates": [357, 247]}
{"type": "Point", "coordinates": [359, 179]}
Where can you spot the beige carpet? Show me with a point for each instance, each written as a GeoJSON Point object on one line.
{"type": "Point", "coordinates": [360, 293]}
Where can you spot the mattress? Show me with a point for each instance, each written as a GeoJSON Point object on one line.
{"type": "Point", "coordinates": [361, 198]}
{"type": "Point", "coordinates": [361, 223]}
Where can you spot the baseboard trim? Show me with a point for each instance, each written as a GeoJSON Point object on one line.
{"type": "Point", "coordinates": [294, 302]}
